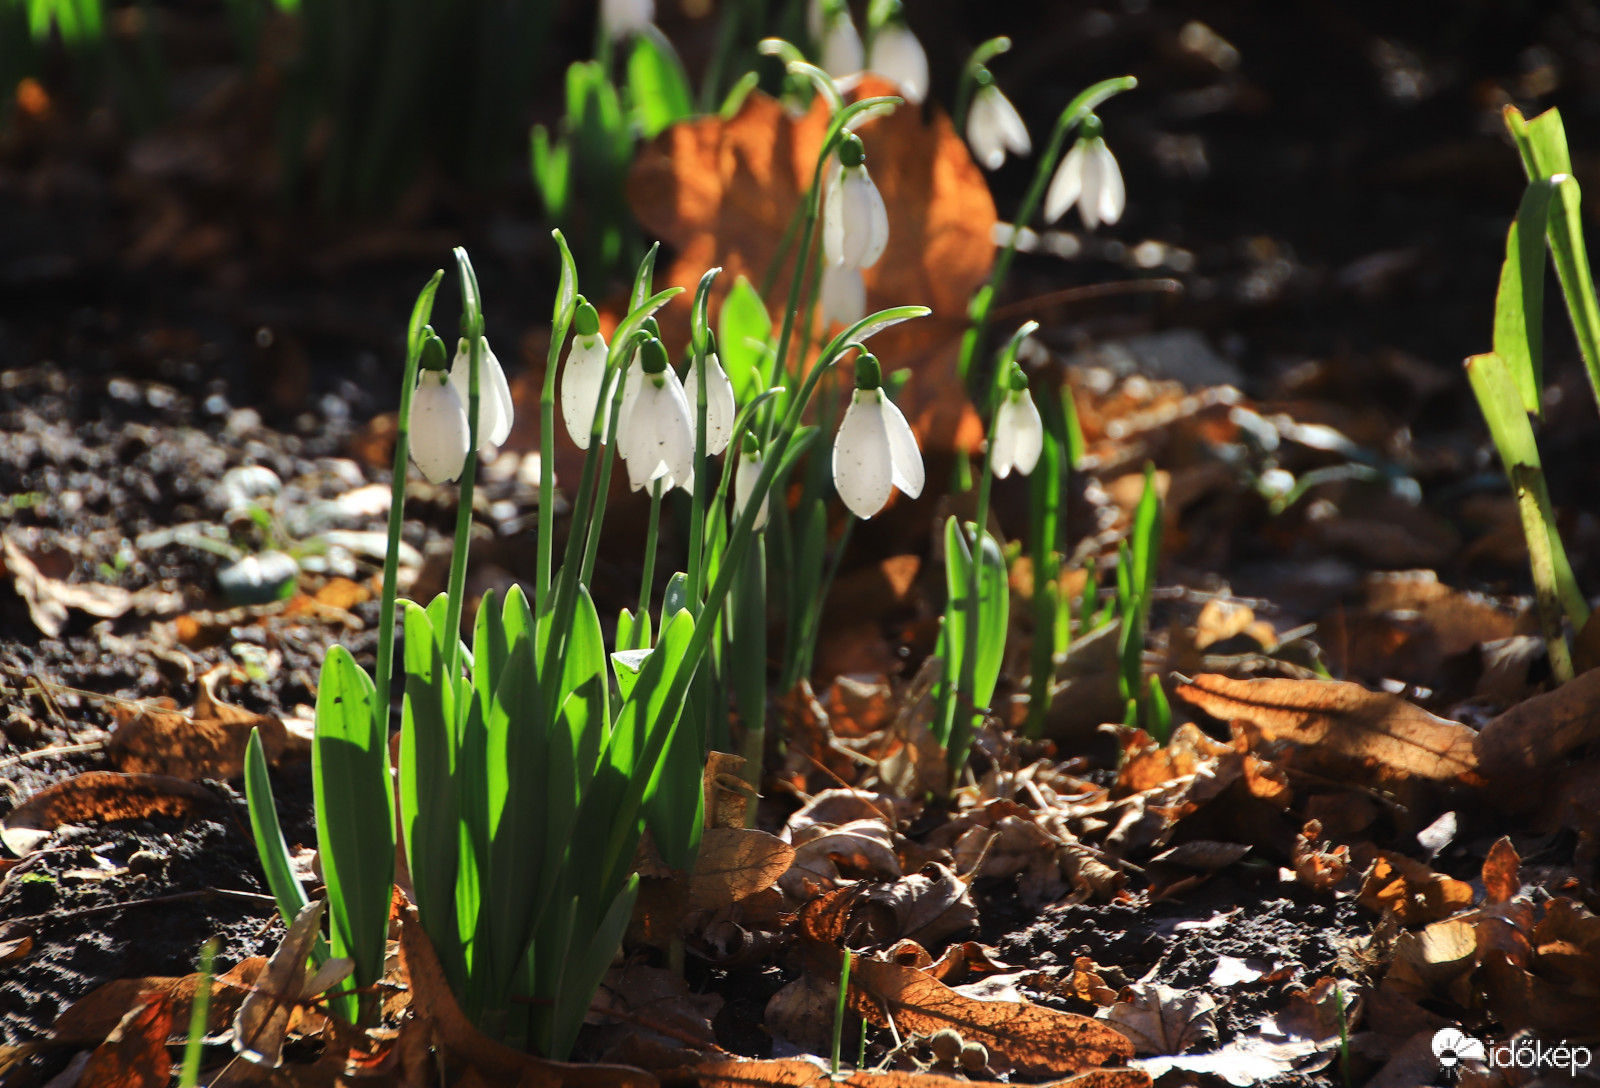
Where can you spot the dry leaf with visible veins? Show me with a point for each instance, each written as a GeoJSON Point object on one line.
{"type": "Point", "coordinates": [1415, 893]}
{"type": "Point", "coordinates": [1035, 1041]}
{"type": "Point", "coordinates": [96, 1013]}
{"type": "Point", "coordinates": [1536, 733]}
{"type": "Point", "coordinates": [1501, 872]}
{"type": "Point", "coordinates": [97, 797]}
{"type": "Point", "coordinates": [1159, 1019]}
{"type": "Point", "coordinates": [722, 193]}
{"type": "Point", "coordinates": [135, 1054]}
{"type": "Point", "coordinates": [208, 742]}
{"type": "Point", "coordinates": [801, 1073]}
{"type": "Point", "coordinates": [1342, 717]}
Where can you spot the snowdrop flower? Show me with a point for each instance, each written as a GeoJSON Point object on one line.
{"type": "Point", "coordinates": [744, 480]}
{"type": "Point", "coordinates": [1017, 435]}
{"type": "Point", "coordinates": [896, 53]}
{"type": "Point", "coordinates": [833, 29]}
{"type": "Point", "coordinates": [495, 412]}
{"type": "Point", "coordinates": [855, 223]}
{"type": "Point", "coordinates": [844, 295]}
{"type": "Point", "coordinates": [583, 374]}
{"type": "Point", "coordinates": [657, 433]}
{"type": "Point", "coordinates": [624, 17]}
{"type": "Point", "coordinates": [994, 126]}
{"type": "Point", "coordinates": [720, 408]}
{"type": "Point", "coordinates": [1089, 178]}
{"type": "Point", "coordinates": [438, 426]}
{"type": "Point", "coordinates": [874, 451]}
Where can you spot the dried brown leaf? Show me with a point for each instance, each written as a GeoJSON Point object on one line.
{"type": "Point", "coordinates": [102, 797]}
{"type": "Point", "coordinates": [50, 599]}
{"type": "Point", "coordinates": [1032, 1040]}
{"type": "Point", "coordinates": [208, 742]}
{"type": "Point", "coordinates": [1535, 733]}
{"type": "Point", "coordinates": [134, 1055]}
{"type": "Point", "coordinates": [800, 1073]}
{"type": "Point", "coordinates": [1415, 893]}
{"type": "Point", "coordinates": [1501, 876]}
{"type": "Point", "coordinates": [1342, 717]}
{"type": "Point", "coordinates": [1160, 1019]}
{"type": "Point", "coordinates": [92, 1017]}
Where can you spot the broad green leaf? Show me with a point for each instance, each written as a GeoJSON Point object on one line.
{"type": "Point", "coordinates": [271, 847]}
{"type": "Point", "coordinates": [747, 636]}
{"type": "Point", "coordinates": [1158, 712]}
{"type": "Point", "coordinates": [743, 332]}
{"type": "Point", "coordinates": [588, 962]}
{"type": "Point", "coordinates": [1519, 303]}
{"type": "Point", "coordinates": [674, 802]}
{"type": "Point", "coordinates": [355, 814]}
{"type": "Point", "coordinates": [633, 632]}
{"type": "Point", "coordinates": [551, 166]}
{"type": "Point", "coordinates": [1542, 143]}
{"type": "Point", "coordinates": [658, 88]}
{"type": "Point", "coordinates": [1051, 631]}
{"type": "Point", "coordinates": [676, 596]}
{"type": "Point", "coordinates": [628, 664]}
{"type": "Point", "coordinates": [567, 289]}
{"type": "Point", "coordinates": [1146, 541]}
{"type": "Point", "coordinates": [992, 614]}
{"type": "Point", "coordinates": [488, 645]}
{"type": "Point", "coordinates": [1572, 268]}
{"type": "Point", "coordinates": [1501, 404]}
{"type": "Point", "coordinates": [1551, 571]}
{"type": "Point", "coordinates": [429, 799]}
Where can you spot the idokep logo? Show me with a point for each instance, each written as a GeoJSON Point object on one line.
{"type": "Point", "coordinates": [1453, 1047]}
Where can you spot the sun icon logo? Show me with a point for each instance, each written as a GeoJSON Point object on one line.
{"type": "Point", "coordinates": [1453, 1046]}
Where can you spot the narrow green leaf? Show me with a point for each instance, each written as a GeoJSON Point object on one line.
{"type": "Point", "coordinates": [551, 167]}
{"type": "Point", "coordinates": [270, 846]}
{"type": "Point", "coordinates": [1146, 542]}
{"type": "Point", "coordinates": [641, 297]}
{"type": "Point", "coordinates": [1519, 303]}
{"type": "Point", "coordinates": [658, 87]}
{"type": "Point", "coordinates": [744, 330]}
{"type": "Point", "coordinates": [734, 101]}
{"type": "Point", "coordinates": [567, 289]}
{"type": "Point", "coordinates": [1572, 268]}
{"type": "Point", "coordinates": [1528, 482]}
{"type": "Point", "coordinates": [627, 665]}
{"type": "Point", "coordinates": [355, 815]}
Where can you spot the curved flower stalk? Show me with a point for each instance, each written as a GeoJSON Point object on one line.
{"type": "Point", "coordinates": [744, 480]}
{"type": "Point", "coordinates": [855, 223]}
{"type": "Point", "coordinates": [994, 126]}
{"type": "Point", "coordinates": [844, 295]}
{"type": "Point", "coordinates": [621, 18]}
{"type": "Point", "coordinates": [1088, 177]}
{"type": "Point", "coordinates": [874, 451]}
{"type": "Point", "coordinates": [720, 407]}
{"type": "Point", "coordinates": [1017, 437]}
{"type": "Point", "coordinates": [438, 426]}
{"type": "Point", "coordinates": [657, 436]}
{"type": "Point", "coordinates": [495, 410]}
{"type": "Point", "coordinates": [583, 375]}
{"type": "Point", "coordinates": [897, 54]}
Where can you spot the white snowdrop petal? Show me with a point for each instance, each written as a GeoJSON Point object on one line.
{"type": "Point", "coordinates": [1003, 440]}
{"type": "Point", "coordinates": [1093, 178]}
{"type": "Point", "coordinates": [488, 405]}
{"type": "Point", "coordinates": [438, 438]}
{"type": "Point", "coordinates": [905, 457]}
{"type": "Point", "coordinates": [676, 435]}
{"type": "Point", "coordinates": [1029, 430]}
{"type": "Point", "coordinates": [1012, 129]}
{"type": "Point", "coordinates": [505, 412]}
{"type": "Point", "coordinates": [877, 239]}
{"type": "Point", "coordinates": [862, 470]}
{"type": "Point", "coordinates": [896, 53]}
{"type": "Point", "coordinates": [844, 295]}
{"type": "Point", "coordinates": [624, 17]}
{"type": "Point", "coordinates": [632, 381]}
{"type": "Point", "coordinates": [1066, 186]}
{"type": "Point", "coordinates": [1112, 196]}
{"type": "Point", "coordinates": [983, 132]}
{"type": "Point", "coordinates": [744, 484]}
{"type": "Point", "coordinates": [856, 192]}
{"type": "Point", "coordinates": [833, 225]}
{"type": "Point", "coordinates": [580, 386]}
{"type": "Point", "coordinates": [720, 407]}
{"type": "Point", "coordinates": [842, 51]}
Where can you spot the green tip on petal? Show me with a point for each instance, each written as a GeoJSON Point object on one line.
{"type": "Point", "coordinates": [752, 445]}
{"type": "Point", "coordinates": [1092, 128]}
{"type": "Point", "coordinates": [851, 151]}
{"type": "Point", "coordinates": [653, 356]}
{"type": "Point", "coordinates": [651, 326]}
{"type": "Point", "coordinates": [869, 375]}
{"type": "Point", "coordinates": [1018, 379]}
{"type": "Point", "coordinates": [586, 322]}
{"type": "Point", "coordinates": [433, 353]}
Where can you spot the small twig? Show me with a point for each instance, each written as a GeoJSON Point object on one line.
{"type": "Point", "coordinates": [59, 750]}
{"type": "Point", "coordinates": [177, 897]}
{"type": "Point", "coordinates": [1088, 292]}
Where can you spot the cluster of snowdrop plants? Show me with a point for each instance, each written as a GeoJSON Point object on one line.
{"type": "Point", "coordinates": [533, 760]}
{"type": "Point", "coordinates": [1509, 381]}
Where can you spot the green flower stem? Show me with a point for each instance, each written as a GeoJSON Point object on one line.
{"type": "Point", "coordinates": [648, 577]}
{"type": "Point", "coordinates": [813, 618]}
{"type": "Point", "coordinates": [1071, 117]}
{"type": "Point", "coordinates": [565, 308]}
{"type": "Point", "coordinates": [602, 494]}
{"type": "Point", "coordinates": [472, 321]}
{"type": "Point", "coordinates": [977, 62]}
{"type": "Point", "coordinates": [384, 665]}
{"type": "Point", "coordinates": [697, 514]}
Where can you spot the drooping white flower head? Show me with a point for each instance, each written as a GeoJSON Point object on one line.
{"type": "Point", "coordinates": [495, 411]}
{"type": "Point", "coordinates": [720, 407]}
{"type": "Point", "coordinates": [994, 127]}
{"type": "Point", "coordinates": [656, 434]}
{"type": "Point", "coordinates": [897, 54]}
{"type": "Point", "coordinates": [874, 451]}
{"type": "Point", "coordinates": [1088, 177]}
{"type": "Point", "coordinates": [438, 427]}
{"type": "Point", "coordinates": [582, 375]}
{"type": "Point", "coordinates": [624, 17]}
{"type": "Point", "coordinates": [855, 223]}
{"type": "Point", "coordinates": [1017, 435]}
{"type": "Point", "coordinates": [745, 475]}
{"type": "Point", "coordinates": [833, 29]}
{"type": "Point", "coordinates": [844, 294]}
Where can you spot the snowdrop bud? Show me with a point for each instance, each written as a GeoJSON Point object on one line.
{"type": "Point", "coordinates": [855, 223]}
{"type": "Point", "coordinates": [896, 53]}
{"type": "Point", "coordinates": [1088, 177]}
{"type": "Point", "coordinates": [720, 408]}
{"type": "Point", "coordinates": [583, 374]}
{"type": "Point", "coordinates": [844, 295]}
{"type": "Point", "coordinates": [657, 434]}
{"type": "Point", "coordinates": [744, 480]}
{"type": "Point", "coordinates": [994, 126]}
{"type": "Point", "coordinates": [495, 411]}
{"type": "Point", "coordinates": [624, 17]}
{"type": "Point", "coordinates": [835, 31]}
{"type": "Point", "coordinates": [874, 451]}
{"type": "Point", "coordinates": [438, 428]}
{"type": "Point", "coordinates": [1017, 436]}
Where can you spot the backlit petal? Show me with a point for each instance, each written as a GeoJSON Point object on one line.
{"type": "Point", "coordinates": [1113, 196]}
{"type": "Point", "coordinates": [863, 471]}
{"type": "Point", "coordinates": [580, 386]}
{"type": "Point", "coordinates": [438, 429]}
{"type": "Point", "coordinates": [896, 53]}
{"type": "Point", "coordinates": [905, 457]}
{"type": "Point", "coordinates": [720, 408]}
{"type": "Point", "coordinates": [1066, 186]}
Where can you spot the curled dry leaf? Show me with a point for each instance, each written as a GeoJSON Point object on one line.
{"type": "Point", "coordinates": [723, 191]}
{"type": "Point", "coordinates": [1501, 872]}
{"type": "Point", "coordinates": [861, 848]}
{"type": "Point", "coordinates": [1524, 741]}
{"type": "Point", "coordinates": [207, 742]}
{"type": "Point", "coordinates": [800, 1073]}
{"type": "Point", "coordinates": [1317, 866]}
{"type": "Point", "coordinates": [1032, 1040]}
{"type": "Point", "coordinates": [1159, 1019]}
{"type": "Point", "coordinates": [650, 1018]}
{"type": "Point", "coordinates": [925, 907]}
{"type": "Point", "coordinates": [734, 863]}
{"type": "Point", "coordinates": [1415, 893]}
{"type": "Point", "coordinates": [49, 599]}
{"type": "Point", "coordinates": [102, 797]}
{"type": "Point", "coordinates": [90, 1018]}
{"type": "Point", "coordinates": [262, 1022]}
{"type": "Point", "coordinates": [135, 1054]}
{"type": "Point", "coordinates": [1343, 717]}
